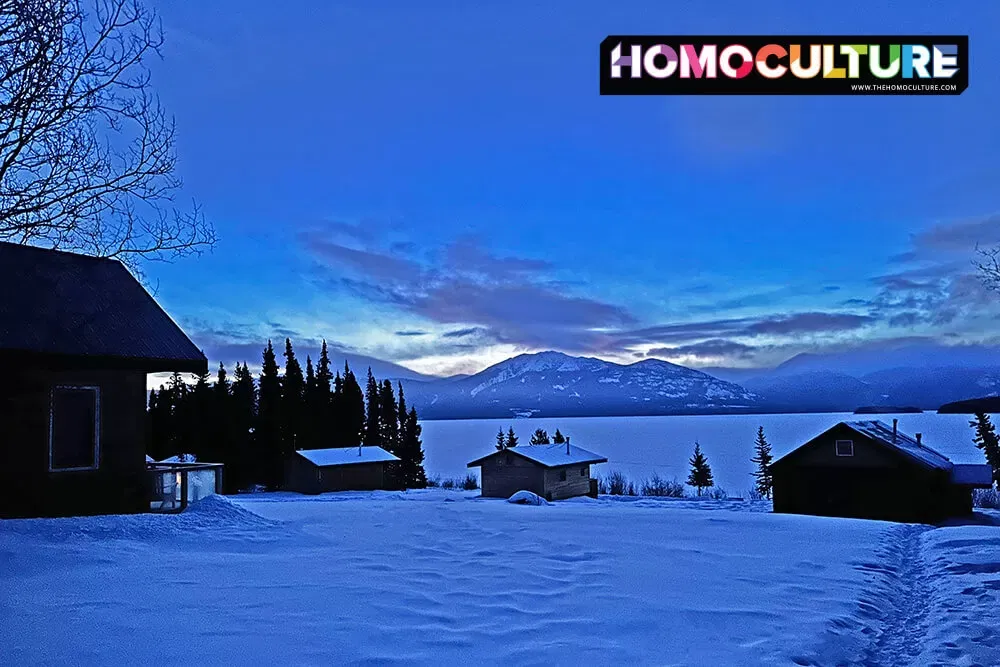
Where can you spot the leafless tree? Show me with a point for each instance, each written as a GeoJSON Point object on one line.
{"type": "Point", "coordinates": [87, 157]}
{"type": "Point", "coordinates": [988, 266]}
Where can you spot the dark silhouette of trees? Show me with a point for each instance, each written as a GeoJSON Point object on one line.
{"type": "Point", "coordinates": [986, 440]}
{"type": "Point", "coordinates": [540, 437]}
{"type": "Point", "coordinates": [558, 438]}
{"type": "Point", "coordinates": [253, 428]}
{"type": "Point", "coordinates": [87, 156]}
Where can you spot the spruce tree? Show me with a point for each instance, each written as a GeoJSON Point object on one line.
{"type": "Point", "coordinates": [352, 410]}
{"type": "Point", "coordinates": [501, 440]}
{"type": "Point", "coordinates": [220, 419]}
{"type": "Point", "coordinates": [241, 462]}
{"type": "Point", "coordinates": [511, 438]}
{"type": "Point", "coordinates": [763, 459]}
{"type": "Point", "coordinates": [403, 415]}
{"type": "Point", "coordinates": [540, 437]}
{"type": "Point", "coordinates": [324, 399]}
{"type": "Point", "coordinates": [412, 453]}
{"type": "Point", "coordinates": [312, 410]}
{"type": "Point", "coordinates": [293, 401]}
{"type": "Point", "coordinates": [986, 440]}
{"type": "Point", "coordinates": [267, 433]}
{"type": "Point", "coordinates": [701, 472]}
{"type": "Point", "coordinates": [388, 411]}
{"type": "Point", "coordinates": [373, 418]}
{"type": "Point", "coordinates": [558, 438]}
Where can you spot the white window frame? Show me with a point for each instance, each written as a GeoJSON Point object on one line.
{"type": "Point", "coordinates": [97, 424]}
{"type": "Point", "coordinates": [836, 447]}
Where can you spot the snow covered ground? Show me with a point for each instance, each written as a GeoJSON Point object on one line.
{"type": "Point", "coordinates": [443, 577]}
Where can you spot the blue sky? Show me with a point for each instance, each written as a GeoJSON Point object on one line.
{"type": "Point", "coordinates": [440, 185]}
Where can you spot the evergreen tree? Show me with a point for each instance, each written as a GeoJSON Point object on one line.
{"type": "Point", "coordinates": [219, 419]}
{"type": "Point", "coordinates": [501, 440]}
{"type": "Point", "coordinates": [373, 421]}
{"type": "Point", "coordinates": [558, 438]}
{"type": "Point", "coordinates": [194, 416]}
{"type": "Point", "coordinates": [267, 432]}
{"type": "Point", "coordinates": [293, 401]}
{"type": "Point", "coordinates": [411, 452]}
{"type": "Point", "coordinates": [763, 459]}
{"type": "Point", "coordinates": [176, 408]}
{"type": "Point", "coordinates": [312, 410]}
{"type": "Point", "coordinates": [388, 417]}
{"type": "Point", "coordinates": [352, 410]}
{"type": "Point", "coordinates": [701, 472]}
{"type": "Point", "coordinates": [986, 440]}
{"type": "Point", "coordinates": [160, 423]}
{"type": "Point", "coordinates": [240, 460]}
{"type": "Point", "coordinates": [511, 438]}
{"type": "Point", "coordinates": [540, 437]}
{"type": "Point", "coordinates": [324, 400]}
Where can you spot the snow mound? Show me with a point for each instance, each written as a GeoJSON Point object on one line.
{"type": "Point", "coordinates": [214, 514]}
{"type": "Point", "coordinates": [527, 498]}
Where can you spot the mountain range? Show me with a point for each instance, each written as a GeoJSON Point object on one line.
{"type": "Point", "coordinates": [552, 384]}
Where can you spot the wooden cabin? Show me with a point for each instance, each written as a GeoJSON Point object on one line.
{"type": "Point", "coordinates": [554, 472]}
{"type": "Point", "coordinates": [338, 469]}
{"type": "Point", "coordinates": [871, 470]}
{"type": "Point", "coordinates": [78, 335]}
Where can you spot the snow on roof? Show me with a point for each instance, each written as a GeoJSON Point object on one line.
{"type": "Point", "coordinates": [882, 432]}
{"type": "Point", "coordinates": [181, 458]}
{"type": "Point", "coordinates": [150, 459]}
{"type": "Point", "coordinates": [345, 456]}
{"type": "Point", "coordinates": [551, 456]}
{"type": "Point", "coordinates": [972, 474]}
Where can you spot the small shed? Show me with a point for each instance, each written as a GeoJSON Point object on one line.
{"type": "Point", "coordinates": [554, 472]}
{"type": "Point", "coordinates": [78, 335]}
{"type": "Point", "coordinates": [871, 470]}
{"type": "Point", "coordinates": [338, 469]}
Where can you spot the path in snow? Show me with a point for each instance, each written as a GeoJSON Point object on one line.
{"type": "Point", "coordinates": [899, 599]}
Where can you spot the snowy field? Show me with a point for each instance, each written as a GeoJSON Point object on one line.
{"type": "Point", "coordinates": [441, 577]}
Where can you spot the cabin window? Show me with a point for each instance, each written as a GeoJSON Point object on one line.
{"type": "Point", "coordinates": [845, 448]}
{"type": "Point", "coordinates": [562, 475]}
{"type": "Point", "coordinates": [74, 428]}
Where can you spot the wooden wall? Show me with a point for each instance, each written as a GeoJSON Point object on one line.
{"type": "Point", "coordinates": [504, 474]}
{"type": "Point", "coordinates": [27, 488]}
{"type": "Point", "coordinates": [577, 482]}
{"type": "Point", "coordinates": [304, 477]}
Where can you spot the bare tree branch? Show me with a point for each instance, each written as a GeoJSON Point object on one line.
{"type": "Point", "coordinates": [988, 266]}
{"type": "Point", "coordinates": [86, 151]}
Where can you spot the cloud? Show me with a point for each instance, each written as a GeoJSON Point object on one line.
{"type": "Point", "coordinates": [960, 237]}
{"type": "Point", "coordinates": [800, 323]}
{"type": "Point", "coordinates": [462, 333]}
{"type": "Point", "coordinates": [508, 299]}
{"type": "Point", "coordinates": [407, 334]}
{"type": "Point", "coordinates": [714, 348]}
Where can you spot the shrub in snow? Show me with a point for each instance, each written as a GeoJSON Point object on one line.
{"type": "Point", "coordinates": [527, 498]}
{"type": "Point", "coordinates": [659, 486]}
{"type": "Point", "coordinates": [754, 494]}
{"type": "Point", "coordinates": [986, 498]}
{"type": "Point", "coordinates": [717, 493]}
{"type": "Point", "coordinates": [448, 484]}
{"type": "Point", "coordinates": [616, 484]}
{"type": "Point", "coordinates": [470, 483]}
{"type": "Point", "coordinates": [434, 482]}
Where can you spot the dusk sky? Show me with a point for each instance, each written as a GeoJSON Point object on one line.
{"type": "Point", "coordinates": [442, 186]}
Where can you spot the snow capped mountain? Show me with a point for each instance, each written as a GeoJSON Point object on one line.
{"type": "Point", "coordinates": [556, 384]}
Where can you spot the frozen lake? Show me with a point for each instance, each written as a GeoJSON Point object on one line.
{"type": "Point", "coordinates": [638, 446]}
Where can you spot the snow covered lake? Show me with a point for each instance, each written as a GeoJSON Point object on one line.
{"type": "Point", "coordinates": [440, 577]}
{"type": "Point", "coordinates": [639, 446]}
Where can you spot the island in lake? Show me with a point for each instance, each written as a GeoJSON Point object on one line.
{"type": "Point", "coordinates": [987, 404]}
{"type": "Point", "coordinates": [886, 410]}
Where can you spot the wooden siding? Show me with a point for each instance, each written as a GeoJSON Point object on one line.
{"type": "Point", "coordinates": [504, 474]}
{"type": "Point", "coordinates": [305, 477]}
{"type": "Point", "coordinates": [118, 485]}
{"type": "Point", "coordinates": [575, 484]}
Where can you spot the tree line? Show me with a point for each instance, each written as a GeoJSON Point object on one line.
{"type": "Point", "coordinates": [254, 427]}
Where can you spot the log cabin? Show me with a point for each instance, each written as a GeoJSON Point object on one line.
{"type": "Point", "coordinates": [870, 470]}
{"type": "Point", "coordinates": [78, 335]}
{"type": "Point", "coordinates": [553, 472]}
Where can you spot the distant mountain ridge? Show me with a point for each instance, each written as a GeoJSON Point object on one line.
{"type": "Point", "coordinates": [552, 384]}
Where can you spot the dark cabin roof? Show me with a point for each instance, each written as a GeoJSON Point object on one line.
{"type": "Point", "coordinates": [68, 309]}
{"type": "Point", "coordinates": [881, 433]}
{"type": "Point", "coordinates": [548, 456]}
